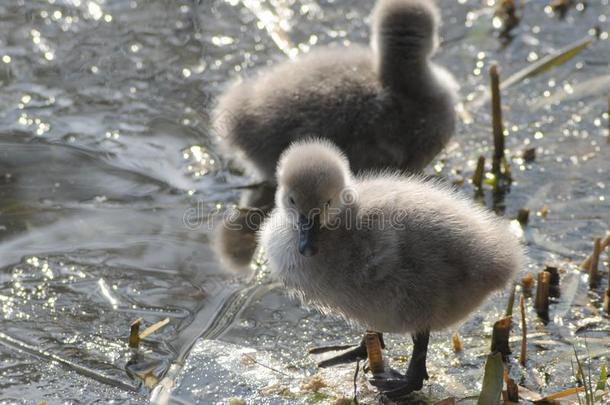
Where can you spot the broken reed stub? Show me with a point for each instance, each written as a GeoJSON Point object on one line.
{"type": "Point", "coordinates": [523, 354]}
{"type": "Point", "coordinates": [523, 216]}
{"type": "Point", "coordinates": [496, 114]}
{"type": "Point", "coordinates": [506, 12]}
{"type": "Point", "coordinates": [594, 265]}
{"type": "Point", "coordinates": [542, 295]}
{"type": "Point", "coordinates": [607, 301]}
{"type": "Point", "coordinates": [500, 336]}
{"type": "Point", "coordinates": [511, 395]}
{"type": "Point", "coordinates": [477, 178]}
{"type": "Point", "coordinates": [554, 289]}
{"type": "Point", "coordinates": [529, 154]}
{"type": "Point", "coordinates": [374, 353]}
{"type": "Point", "coordinates": [456, 342]}
{"type": "Point", "coordinates": [134, 334]}
{"type": "Point", "coordinates": [586, 264]}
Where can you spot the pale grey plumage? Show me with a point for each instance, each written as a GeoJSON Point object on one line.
{"type": "Point", "coordinates": [387, 107]}
{"type": "Point", "coordinates": [407, 256]}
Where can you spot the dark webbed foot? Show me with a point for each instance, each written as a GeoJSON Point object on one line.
{"type": "Point", "coordinates": [395, 385]}
{"type": "Point", "coordinates": [354, 354]}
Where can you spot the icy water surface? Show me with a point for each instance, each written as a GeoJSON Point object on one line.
{"type": "Point", "coordinates": [108, 173]}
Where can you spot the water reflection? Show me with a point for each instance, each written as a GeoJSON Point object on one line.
{"type": "Point", "coordinates": [235, 236]}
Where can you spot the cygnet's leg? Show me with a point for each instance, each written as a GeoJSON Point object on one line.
{"type": "Point", "coordinates": [355, 353]}
{"type": "Point", "coordinates": [397, 385]}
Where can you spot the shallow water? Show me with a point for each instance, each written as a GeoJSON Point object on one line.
{"type": "Point", "coordinates": [106, 151]}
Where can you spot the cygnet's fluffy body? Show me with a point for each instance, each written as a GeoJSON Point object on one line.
{"type": "Point", "coordinates": [388, 107]}
{"type": "Point", "coordinates": [393, 253]}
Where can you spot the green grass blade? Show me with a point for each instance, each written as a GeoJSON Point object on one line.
{"type": "Point", "coordinates": [492, 381]}
{"type": "Point", "coordinates": [548, 62]}
{"type": "Point", "coordinates": [603, 378]}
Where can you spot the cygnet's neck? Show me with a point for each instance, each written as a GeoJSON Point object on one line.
{"type": "Point", "coordinates": [403, 73]}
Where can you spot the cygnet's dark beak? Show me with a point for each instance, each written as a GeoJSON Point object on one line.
{"type": "Point", "coordinates": [308, 229]}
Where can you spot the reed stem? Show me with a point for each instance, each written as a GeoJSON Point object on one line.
{"type": "Point", "coordinates": [375, 356]}
{"type": "Point", "coordinates": [593, 268]}
{"type": "Point", "coordinates": [554, 289]}
{"type": "Point", "coordinates": [523, 216]}
{"type": "Point", "coordinates": [500, 336]}
{"type": "Point", "coordinates": [134, 334]}
{"type": "Point", "coordinates": [542, 295]}
{"type": "Point", "coordinates": [523, 354]}
{"type": "Point", "coordinates": [456, 342]}
{"type": "Point", "coordinates": [477, 178]}
{"type": "Point", "coordinates": [512, 391]}
{"type": "Point", "coordinates": [498, 128]}
{"type": "Point", "coordinates": [586, 264]}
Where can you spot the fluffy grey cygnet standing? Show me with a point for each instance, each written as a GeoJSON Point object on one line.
{"type": "Point", "coordinates": [389, 106]}
{"type": "Point", "coordinates": [389, 252]}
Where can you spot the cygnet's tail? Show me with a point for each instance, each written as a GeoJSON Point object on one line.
{"type": "Point", "coordinates": [405, 28]}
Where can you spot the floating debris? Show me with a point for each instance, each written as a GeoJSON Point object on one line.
{"type": "Point", "coordinates": [153, 328]}
{"type": "Point", "coordinates": [529, 154]}
{"type": "Point", "coordinates": [236, 401]}
{"type": "Point", "coordinates": [561, 394]}
{"type": "Point", "coordinates": [542, 295]}
{"type": "Point", "coordinates": [523, 354]}
{"type": "Point", "coordinates": [505, 17]}
{"type": "Point", "coordinates": [500, 337]}
{"type": "Point", "coordinates": [527, 282]}
{"type": "Point", "coordinates": [523, 216]}
{"type": "Point", "coordinates": [555, 59]}
{"type": "Point", "coordinates": [134, 334]}
{"type": "Point", "coordinates": [543, 212]}
{"type": "Point", "coordinates": [446, 401]}
{"type": "Point", "coordinates": [313, 384]}
{"type": "Point", "coordinates": [593, 266]}
{"type": "Point", "coordinates": [548, 62]}
{"type": "Point", "coordinates": [561, 6]}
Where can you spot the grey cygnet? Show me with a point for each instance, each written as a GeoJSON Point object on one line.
{"type": "Point", "coordinates": [386, 105]}
{"type": "Point", "coordinates": [389, 252]}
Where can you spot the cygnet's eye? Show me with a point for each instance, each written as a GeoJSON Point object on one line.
{"type": "Point", "coordinates": [291, 201]}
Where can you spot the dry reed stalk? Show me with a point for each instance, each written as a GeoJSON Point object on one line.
{"type": "Point", "coordinates": [542, 295]}
{"type": "Point", "coordinates": [373, 349]}
{"type": "Point", "coordinates": [523, 354]}
{"type": "Point", "coordinates": [500, 337]}
{"type": "Point", "coordinates": [498, 127]}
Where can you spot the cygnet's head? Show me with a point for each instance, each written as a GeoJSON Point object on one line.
{"type": "Point", "coordinates": [312, 175]}
{"type": "Point", "coordinates": [405, 28]}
